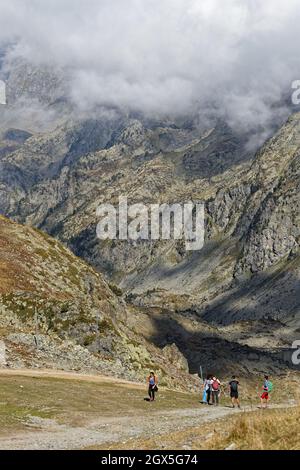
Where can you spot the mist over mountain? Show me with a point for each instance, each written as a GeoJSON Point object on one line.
{"type": "Point", "coordinates": [234, 60]}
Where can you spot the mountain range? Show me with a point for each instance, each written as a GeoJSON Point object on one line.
{"type": "Point", "coordinates": [126, 306]}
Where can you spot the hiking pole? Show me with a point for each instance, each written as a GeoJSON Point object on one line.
{"type": "Point", "coordinates": [201, 373]}
{"type": "Point", "coordinates": [36, 327]}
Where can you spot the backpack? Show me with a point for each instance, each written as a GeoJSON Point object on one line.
{"type": "Point", "coordinates": [215, 385]}
{"type": "Point", "coordinates": [234, 386]}
{"type": "Point", "coordinates": [270, 386]}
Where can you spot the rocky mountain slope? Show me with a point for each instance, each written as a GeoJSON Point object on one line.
{"type": "Point", "coordinates": [248, 270]}
{"type": "Point", "coordinates": [54, 181]}
{"type": "Point", "coordinates": [56, 311]}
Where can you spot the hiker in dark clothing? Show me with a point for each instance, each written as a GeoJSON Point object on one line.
{"type": "Point", "coordinates": [234, 392]}
{"type": "Point", "coordinates": [152, 386]}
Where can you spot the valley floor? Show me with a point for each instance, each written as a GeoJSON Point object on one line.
{"type": "Point", "coordinates": [58, 410]}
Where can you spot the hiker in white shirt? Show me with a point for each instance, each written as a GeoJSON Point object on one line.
{"type": "Point", "coordinates": [208, 388]}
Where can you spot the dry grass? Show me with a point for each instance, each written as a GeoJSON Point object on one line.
{"type": "Point", "coordinates": [265, 430]}
{"type": "Point", "coordinates": [261, 430]}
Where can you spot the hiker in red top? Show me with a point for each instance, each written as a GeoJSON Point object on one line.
{"type": "Point", "coordinates": [265, 395]}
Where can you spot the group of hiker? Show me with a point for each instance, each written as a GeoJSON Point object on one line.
{"type": "Point", "coordinates": [212, 391]}
{"type": "Point", "coordinates": [212, 388]}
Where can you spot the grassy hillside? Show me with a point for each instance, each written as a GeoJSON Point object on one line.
{"type": "Point", "coordinates": [57, 312]}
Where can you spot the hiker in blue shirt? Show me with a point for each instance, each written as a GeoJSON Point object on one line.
{"type": "Point", "coordinates": [152, 386]}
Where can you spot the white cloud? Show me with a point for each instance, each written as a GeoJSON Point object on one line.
{"type": "Point", "coordinates": [164, 56]}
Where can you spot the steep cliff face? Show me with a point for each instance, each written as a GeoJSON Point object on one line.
{"type": "Point", "coordinates": [252, 241]}
{"type": "Point", "coordinates": [266, 272]}
{"type": "Point", "coordinates": [273, 210]}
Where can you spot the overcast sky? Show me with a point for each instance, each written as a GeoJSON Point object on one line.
{"type": "Point", "coordinates": [164, 56]}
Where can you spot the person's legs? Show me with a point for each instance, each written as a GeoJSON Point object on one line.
{"type": "Point", "coordinates": [150, 393]}
{"type": "Point", "coordinates": [208, 396]}
{"type": "Point", "coordinates": [263, 403]}
{"type": "Point", "coordinates": [236, 399]}
{"type": "Point", "coordinates": [266, 401]}
{"type": "Point", "coordinates": [213, 397]}
{"type": "Point", "coordinates": [217, 398]}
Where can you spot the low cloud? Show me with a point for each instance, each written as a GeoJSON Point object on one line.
{"type": "Point", "coordinates": [165, 56]}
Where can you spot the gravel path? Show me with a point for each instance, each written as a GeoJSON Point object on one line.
{"type": "Point", "coordinates": [47, 434]}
